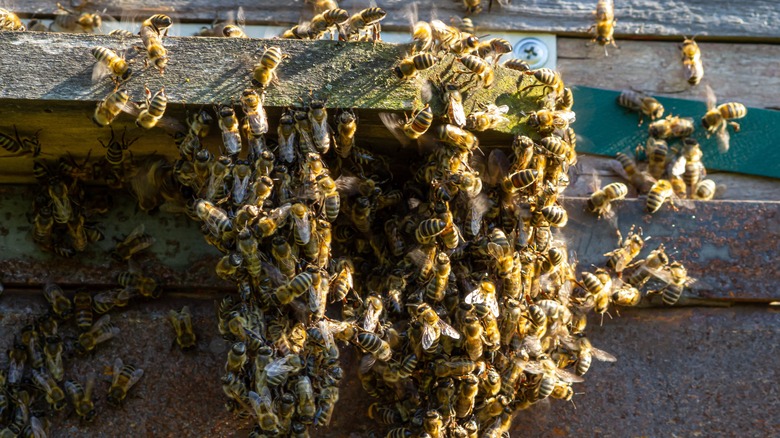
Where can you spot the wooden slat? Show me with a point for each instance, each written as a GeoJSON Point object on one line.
{"type": "Point", "coordinates": [635, 17]}
{"type": "Point", "coordinates": [736, 72]}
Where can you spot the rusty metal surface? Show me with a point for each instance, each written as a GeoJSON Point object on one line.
{"type": "Point", "coordinates": [728, 245]}
{"type": "Point", "coordinates": [680, 372]}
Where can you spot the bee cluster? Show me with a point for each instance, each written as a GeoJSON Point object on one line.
{"type": "Point", "coordinates": [454, 282]}
{"type": "Point", "coordinates": [675, 172]}
{"type": "Point", "coordinates": [33, 385]}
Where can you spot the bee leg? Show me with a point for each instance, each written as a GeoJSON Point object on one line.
{"type": "Point", "coordinates": [734, 125]}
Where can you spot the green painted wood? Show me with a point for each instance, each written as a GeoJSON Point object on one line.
{"type": "Point", "coordinates": [604, 128]}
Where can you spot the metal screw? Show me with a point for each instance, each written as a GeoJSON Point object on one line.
{"type": "Point", "coordinates": [533, 51]}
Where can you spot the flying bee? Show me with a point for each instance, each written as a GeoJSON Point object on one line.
{"type": "Point", "coordinates": [324, 22]}
{"type": "Point", "coordinates": [265, 70]}
{"type": "Point", "coordinates": [124, 378]}
{"type": "Point", "coordinates": [81, 398]}
{"type": "Point", "coordinates": [102, 330]}
{"type": "Point", "coordinates": [158, 24]}
{"type": "Point", "coordinates": [494, 48]}
{"type": "Point", "coordinates": [153, 109]}
{"type": "Point", "coordinates": [451, 39]}
{"type": "Point", "coordinates": [182, 325]}
{"type": "Point", "coordinates": [629, 249]}
{"type": "Point", "coordinates": [718, 118]}
{"type": "Point", "coordinates": [10, 21]}
{"type": "Point", "coordinates": [110, 107]}
{"type": "Point", "coordinates": [60, 304]}
{"type": "Point", "coordinates": [366, 20]}
{"type": "Point", "coordinates": [479, 68]}
{"type": "Point", "coordinates": [410, 128]}
{"type": "Point", "coordinates": [691, 59]}
{"type": "Point", "coordinates": [135, 242]}
{"type": "Point", "coordinates": [109, 63]}
{"type": "Point", "coordinates": [82, 302]}
{"type": "Point", "coordinates": [408, 67]}
{"type": "Point", "coordinates": [644, 104]}
{"type": "Point", "coordinates": [600, 201]}
{"type": "Point", "coordinates": [422, 35]}
{"type": "Point", "coordinates": [491, 118]}
{"type": "Point", "coordinates": [54, 394]}
{"type": "Point", "coordinates": [605, 24]}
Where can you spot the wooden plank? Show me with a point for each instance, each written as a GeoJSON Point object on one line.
{"type": "Point", "coordinates": [736, 72]}
{"type": "Point", "coordinates": [659, 353]}
{"type": "Point", "coordinates": [635, 17]}
{"type": "Point", "coordinates": [609, 128]}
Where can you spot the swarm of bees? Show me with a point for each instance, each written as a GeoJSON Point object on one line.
{"type": "Point", "coordinates": [454, 284]}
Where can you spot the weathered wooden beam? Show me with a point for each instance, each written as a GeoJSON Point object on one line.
{"type": "Point", "coordinates": [736, 72]}
{"type": "Point", "coordinates": [635, 17]}
{"type": "Point", "coordinates": [59, 98]}
{"type": "Point", "coordinates": [679, 371]}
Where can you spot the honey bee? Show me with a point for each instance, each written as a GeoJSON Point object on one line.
{"type": "Point", "coordinates": [81, 398]}
{"type": "Point", "coordinates": [16, 144]}
{"type": "Point", "coordinates": [586, 353]}
{"type": "Point", "coordinates": [600, 201]}
{"type": "Point", "coordinates": [494, 48]}
{"type": "Point", "coordinates": [82, 302]}
{"type": "Point", "coordinates": [451, 39]}
{"type": "Point", "coordinates": [236, 358]}
{"type": "Point", "coordinates": [262, 407]}
{"type": "Point", "coordinates": [299, 285]}
{"type": "Point", "coordinates": [517, 65]}
{"type": "Point", "coordinates": [324, 22]}
{"type": "Point", "coordinates": [10, 21]}
{"type": "Point", "coordinates": [650, 266]}
{"type": "Point", "coordinates": [366, 20]}
{"type": "Point", "coordinates": [422, 34]}
{"type": "Point", "coordinates": [43, 224]}
{"type": "Point", "coordinates": [718, 118]}
{"type": "Point", "coordinates": [691, 59]}
{"type": "Point", "coordinates": [462, 140]}
{"type": "Point", "coordinates": [671, 126]}
{"type": "Point", "coordinates": [373, 344]}
{"type": "Point", "coordinates": [235, 30]}
{"type": "Point", "coordinates": [644, 104]}
{"type": "Point", "coordinates": [228, 124]}
{"type": "Point", "coordinates": [547, 119]}
{"type": "Point", "coordinates": [626, 295]}
{"type": "Point", "coordinates": [479, 68]}
{"type": "Point", "coordinates": [153, 109]}
{"type": "Point", "coordinates": [660, 192]}
{"type": "Point", "coordinates": [408, 67]}
{"type": "Point", "coordinates": [345, 129]}
{"type": "Point", "coordinates": [256, 118]}
{"type": "Point", "coordinates": [60, 304]}
{"type": "Point", "coordinates": [629, 249]}
{"type": "Point", "coordinates": [54, 394]}
{"type": "Point", "coordinates": [547, 78]}
{"type": "Point", "coordinates": [455, 367]}
{"type": "Point", "coordinates": [100, 332]}
{"type": "Point", "coordinates": [412, 128]}
{"type": "Point", "coordinates": [706, 190]}
{"type": "Point", "coordinates": [158, 24]}
{"type": "Point", "coordinates": [110, 107]}
{"type": "Point", "coordinates": [433, 327]}
{"type": "Point", "coordinates": [605, 24]}
{"type": "Point", "coordinates": [156, 53]}
{"type": "Point", "coordinates": [491, 118]}
{"type": "Point", "coordinates": [265, 70]}
{"type": "Point", "coordinates": [124, 378]}
{"type": "Point", "coordinates": [215, 218]}
{"type": "Point", "coordinates": [52, 352]}
{"type": "Point", "coordinates": [435, 290]}
{"type": "Point", "coordinates": [305, 394]}
{"type": "Point", "coordinates": [109, 63]}
{"type": "Point", "coordinates": [677, 280]}
{"type": "Point", "coordinates": [626, 167]}
{"type": "Point", "coordinates": [182, 325]}
{"type": "Point", "coordinates": [135, 242]}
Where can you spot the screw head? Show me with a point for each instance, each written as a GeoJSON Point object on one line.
{"type": "Point", "coordinates": [533, 51]}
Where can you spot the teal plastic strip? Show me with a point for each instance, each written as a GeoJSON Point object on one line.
{"type": "Point", "coordinates": [604, 128]}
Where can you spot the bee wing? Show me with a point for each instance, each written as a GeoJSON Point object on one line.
{"type": "Point", "coordinates": [567, 376]}
{"type": "Point", "coordinates": [428, 336]}
{"type": "Point", "coordinates": [136, 233]}
{"type": "Point", "coordinates": [100, 71]}
{"type": "Point", "coordinates": [186, 318]}
{"type": "Point", "coordinates": [106, 335]}
{"type": "Point", "coordinates": [366, 363]}
{"type": "Point", "coordinates": [105, 319]}
{"type": "Point", "coordinates": [394, 123]}
{"type": "Point", "coordinates": [497, 167]}
{"type": "Point", "coordinates": [533, 367]}
{"type": "Point", "coordinates": [173, 317]}
{"type": "Point", "coordinates": [89, 386]}
{"type": "Point", "coordinates": [327, 334]}
{"type": "Point", "coordinates": [276, 276]}
{"type": "Point", "coordinates": [677, 166]}
{"type": "Point", "coordinates": [567, 117]}
{"type": "Point", "coordinates": [711, 98]}
{"type": "Point", "coordinates": [448, 330]}
{"type": "Point", "coordinates": [723, 138]}
{"type": "Point", "coordinates": [419, 257]}
{"type": "Point", "coordinates": [304, 227]}
{"type": "Point", "coordinates": [116, 370]}
{"type": "Point", "coordinates": [370, 319]}
{"type": "Point", "coordinates": [347, 185]}
{"type": "Point", "coordinates": [315, 298]}
{"type": "Point", "coordinates": [241, 17]}
{"type": "Point", "coordinates": [41, 381]}
{"type": "Point", "coordinates": [458, 113]}
{"type": "Point", "coordinates": [492, 304]}
{"type": "Point", "coordinates": [602, 355]}
{"type": "Point", "coordinates": [411, 14]}
{"type": "Point", "coordinates": [135, 377]}
{"type": "Point", "coordinates": [277, 368]}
